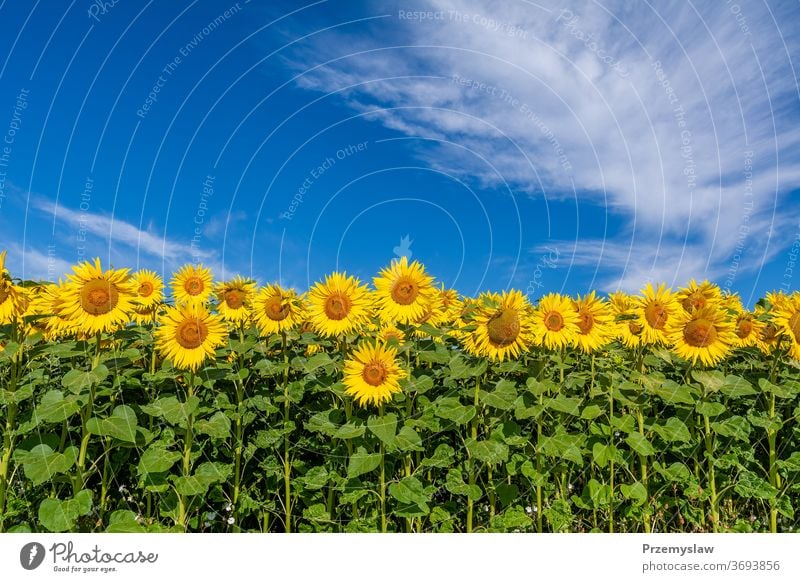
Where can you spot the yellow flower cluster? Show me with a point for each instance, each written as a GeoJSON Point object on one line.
{"type": "Point", "coordinates": [699, 322]}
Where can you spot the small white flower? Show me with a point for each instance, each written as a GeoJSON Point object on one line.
{"type": "Point", "coordinates": [139, 518]}
{"type": "Point", "coordinates": [207, 524]}
{"type": "Point", "coordinates": [570, 487]}
{"type": "Point", "coordinates": [130, 499]}
{"type": "Point", "coordinates": [228, 507]}
{"type": "Point", "coordinates": [616, 433]}
{"type": "Point", "coordinates": [528, 510]}
{"type": "Point", "coordinates": [231, 520]}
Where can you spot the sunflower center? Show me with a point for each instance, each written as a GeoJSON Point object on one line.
{"type": "Point", "coordinates": [98, 297]}
{"type": "Point", "coordinates": [337, 306]}
{"type": "Point", "coordinates": [634, 328]}
{"type": "Point", "coordinates": [191, 333]}
{"type": "Point", "coordinates": [656, 315]}
{"type": "Point", "coordinates": [374, 373]}
{"type": "Point", "coordinates": [405, 291]}
{"type": "Point", "coordinates": [503, 327]}
{"type": "Point", "coordinates": [694, 301]}
{"type": "Point", "coordinates": [794, 325]}
{"type": "Point", "coordinates": [3, 293]}
{"type": "Point", "coordinates": [146, 289]}
{"type": "Point", "coordinates": [700, 333]}
{"type": "Point", "coordinates": [585, 321]}
{"type": "Point", "coordinates": [770, 332]}
{"type": "Point", "coordinates": [234, 298]}
{"type": "Point", "coordinates": [554, 321]}
{"type": "Point", "coordinates": [194, 285]}
{"type": "Point", "coordinates": [744, 327]}
{"type": "Point", "coordinates": [276, 309]}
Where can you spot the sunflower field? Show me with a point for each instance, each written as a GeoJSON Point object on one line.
{"type": "Point", "coordinates": [399, 406]}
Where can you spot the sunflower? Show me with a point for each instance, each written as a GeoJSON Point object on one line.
{"type": "Point", "coordinates": [787, 318]}
{"type": "Point", "coordinates": [372, 374]}
{"type": "Point", "coordinates": [403, 291]}
{"type": "Point", "coordinates": [149, 290]}
{"type": "Point", "coordinates": [94, 300]}
{"type": "Point", "coordinates": [389, 332]}
{"type": "Point", "coordinates": [339, 305]}
{"type": "Point", "coordinates": [706, 334]}
{"type": "Point", "coordinates": [234, 300]}
{"type": "Point", "coordinates": [9, 293]}
{"type": "Point", "coordinates": [276, 310]}
{"type": "Point", "coordinates": [748, 329]}
{"type": "Point", "coordinates": [696, 296]}
{"type": "Point", "coordinates": [771, 334]}
{"type": "Point", "coordinates": [654, 310]}
{"type": "Point", "coordinates": [627, 329]}
{"type": "Point", "coordinates": [503, 326]}
{"type": "Point", "coordinates": [595, 328]}
{"type": "Point", "coordinates": [191, 285]}
{"type": "Point", "coordinates": [189, 335]}
{"type": "Point", "coordinates": [556, 322]}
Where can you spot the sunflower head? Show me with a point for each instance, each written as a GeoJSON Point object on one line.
{"type": "Point", "coordinates": [655, 308]}
{"type": "Point", "coordinates": [276, 310]}
{"type": "Point", "coordinates": [338, 305]}
{"type": "Point", "coordinates": [595, 319]}
{"type": "Point", "coordinates": [234, 299]}
{"type": "Point", "coordinates": [191, 285]}
{"type": "Point", "coordinates": [502, 324]}
{"type": "Point", "coordinates": [748, 329]}
{"type": "Point", "coordinates": [556, 321]}
{"type": "Point", "coordinates": [695, 296]}
{"type": "Point", "coordinates": [706, 334]}
{"type": "Point", "coordinates": [189, 335]}
{"type": "Point", "coordinates": [94, 300]}
{"type": "Point", "coordinates": [372, 374]}
{"type": "Point", "coordinates": [149, 289]}
{"type": "Point", "coordinates": [786, 318]}
{"type": "Point", "coordinates": [403, 291]}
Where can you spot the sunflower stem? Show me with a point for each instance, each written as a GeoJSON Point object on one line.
{"type": "Point", "coordinates": [472, 463]}
{"type": "Point", "coordinates": [183, 520]}
{"type": "Point", "coordinates": [287, 461]}
{"type": "Point", "coordinates": [612, 455]}
{"type": "Point", "coordinates": [8, 433]}
{"type": "Point", "coordinates": [383, 480]}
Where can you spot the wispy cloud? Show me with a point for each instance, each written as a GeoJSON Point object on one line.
{"type": "Point", "coordinates": [680, 116]}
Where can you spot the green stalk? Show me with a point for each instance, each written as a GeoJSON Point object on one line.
{"type": "Point", "coordinates": [774, 476]}
{"type": "Point", "coordinates": [383, 481]}
{"type": "Point", "coordinates": [472, 463]}
{"type": "Point", "coordinates": [611, 460]}
{"type": "Point", "coordinates": [86, 412]}
{"type": "Point", "coordinates": [8, 434]}
{"type": "Point", "coordinates": [644, 472]}
{"type": "Point", "coordinates": [183, 520]}
{"type": "Point", "coordinates": [239, 440]}
{"type": "Point", "coordinates": [287, 461]}
{"type": "Point", "coordinates": [712, 482]}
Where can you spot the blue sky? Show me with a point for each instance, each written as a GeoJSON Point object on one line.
{"type": "Point", "coordinates": [538, 145]}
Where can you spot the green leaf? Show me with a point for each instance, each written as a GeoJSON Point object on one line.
{"type": "Point", "coordinates": [502, 397]}
{"type": "Point", "coordinates": [383, 427]}
{"type": "Point", "coordinates": [737, 387]}
{"type": "Point", "coordinates": [450, 408]}
{"type": "Point", "coordinates": [673, 393]}
{"type": "Point", "coordinates": [157, 459]}
{"type": "Point", "coordinates": [120, 425]}
{"type": "Point", "coordinates": [591, 412]}
{"type": "Point", "coordinates": [455, 484]}
{"type": "Point", "coordinates": [565, 404]}
{"type": "Point", "coordinates": [315, 362]}
{"type": "Point", "coordinates": [315, 478]}
{"type": "Point", "coordinates": [442, 457]}
{"type": "Point", "coordinates": [124, 521]}
{"type": "Point", "coordinates": [172, 410]}
{"type": "Point", "coordinates": [362, 462]}
{"type": "Point", "coordinates": [673, 430]}
{"type": "Point", "coordinates": [348, 431]}
{"type": "Point", "coordinates": [752, 486]}
{"type": "Point", "coordinates": [710, 409]}
{"type": "Point", "coordinates": [56, 408]}
{"type": "Point", "coordinates": [204, 476]}
{"type": "Point", "coordinates": [602, 453]}
{"type": "Point", "coordinates": [564, 445]}
{"type": "Point", "coordinates": [736, 427]}
{"type": "Point", "coordinates": [41, 463]}
{"type": "Point", "coordinates": [636, 492]}
{"type": "Point", "coordinates": [408, 440]}
{"type": "Point", "coordinates": [218, 426]}
{"type": "Point", "coordinates": [409, 490]}
{"type": "Point", "coordinates": [59, 516]}
{"type": "Point", "coordinates": [792, 464]}
{"type": "Point", "coordinates": [418, 385]}
{"type": "Point", "coordinates": [780, 391]}
{"type": "Point", "coordinates": [491, 452]}
{"type": "Point", "coordinates": [597, 494]}
{"type": "Point", "coordinates": [711, 381]}
{"type": "Point", "coordinates": [640, 444]}
{"type": "Point", "coordinates": [77, 381]}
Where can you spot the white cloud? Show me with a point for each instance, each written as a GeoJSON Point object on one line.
{"type": "Point", "coordinates": [692, 100]}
